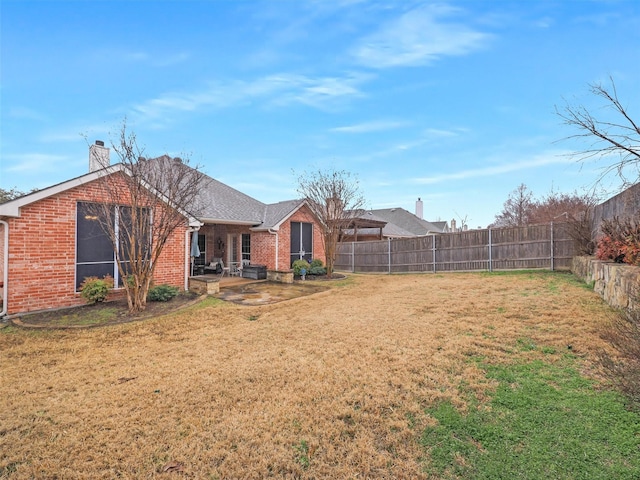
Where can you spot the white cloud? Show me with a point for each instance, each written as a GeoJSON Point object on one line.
{"type": "Point", "coordinates": [155, 59]}
{"type": "Point", "coordinates": [35, 162]}
{"type": "Point", "coordinates": [275, 90]}
{"type": "Point", "coordinates": [74, 134]}
{"type": "Point", "coordinates": [366, 127]}
{"type": "Point", "coordinates": [418, 37]}
{"type": "Point", "coordinates": [439, 133]}
{"type": "Point", "coordinates": [536, 161]}
{"type": "Point", "coordinates": [26, 113]}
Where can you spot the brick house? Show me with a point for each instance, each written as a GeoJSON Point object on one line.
{"type": "Point", "coordinates": [44, 256]}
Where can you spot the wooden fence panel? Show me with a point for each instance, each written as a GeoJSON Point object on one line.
{"type": "Point", "coordinates": [536, 246]}
{"type": "Point", "coordinates": [462, 251]}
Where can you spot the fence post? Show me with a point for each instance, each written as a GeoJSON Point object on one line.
{"type": "Point", "coordinates": [552, 266]}
{"type": "Point", "coordinates": [389, 253]}
{"type": "Point", "coordinates": [490, 253]}
{"type": "Point", "coordinates": [353, 257]}
{"type": "Point", "coordinates": [433, 240]}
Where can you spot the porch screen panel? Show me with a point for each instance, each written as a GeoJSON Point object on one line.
{"type": "Point", "coordinates": [307, 241]}
{"type": "Point", "coordinates": [94, 249]}
{"type": "Point", "coordinates": [139, 228]}
{"type": "Point", "coordinates": [124, 230]}
{"type": "Point", "coordinates": [301, 241]}
{"type": "Point", "coordinates": [295, 242]}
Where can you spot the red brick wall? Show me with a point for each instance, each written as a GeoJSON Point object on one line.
{"type": "Point", "coordinates": [263, 250]}
{"type": "Point", "coordinates": [42, 252]}
{"type": "Point", "coordinates": [263, 244]}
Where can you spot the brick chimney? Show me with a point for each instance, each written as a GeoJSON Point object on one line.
{"type": "Point", "coordinates": [419, 207]}
{"type": "Point", "coordinates": [98, 156]}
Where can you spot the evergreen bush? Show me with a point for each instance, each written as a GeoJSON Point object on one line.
{"type": "Point", "coordinates": [162, 293]}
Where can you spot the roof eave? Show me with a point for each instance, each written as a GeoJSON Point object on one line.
{"type": "Point", "coordinates": [226, 221]}
{"type": "Point", "coordinates": [12, 208]}
{"type": "Point", "coordinates": [290, 213]}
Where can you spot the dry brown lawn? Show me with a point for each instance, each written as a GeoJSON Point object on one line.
{"type": "Point", "coordinates": [332, 385]}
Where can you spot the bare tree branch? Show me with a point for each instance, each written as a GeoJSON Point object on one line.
{"type": "Point", "coordinates": [142, 206]}
{"type": "Point", "coordinates": [335, 199]}
{"type": "Point", "coordinates": [608, 137]}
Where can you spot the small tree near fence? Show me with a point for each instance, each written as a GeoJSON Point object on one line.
{"type": "Point", "coordinates": [335, 199]}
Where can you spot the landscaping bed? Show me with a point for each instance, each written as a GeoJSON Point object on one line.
{"type": "Point", "coordinates": [101, 313]}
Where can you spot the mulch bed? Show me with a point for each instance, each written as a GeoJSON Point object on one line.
{"type": "Point", "coordinates": [100, 314]}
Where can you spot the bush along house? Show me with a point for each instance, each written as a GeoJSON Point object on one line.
{"type": "Point", "coordinates": [49, 241]}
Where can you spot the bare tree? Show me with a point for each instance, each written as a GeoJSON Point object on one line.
{"type": "Point", "coordinates": [335, 199]}
{"type": "Point", "coordinates": [517, 208]}
{"type": "Point", "coordinates": [557, 206]}
{"type": "Point", "coordinates": [574, 209]}
{"type": "Point", "coordinates": [615, 135]}
{"type": "Point", "coordinates": [144, 203]}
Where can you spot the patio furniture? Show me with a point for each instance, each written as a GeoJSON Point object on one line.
{"type": "Point", "coordinates": [216, 266]}
{"type": "Point", "coordinates": [234, 269]}
{"type": "Point", "coordinates": [224, 269]}
{"type": "Point", "coordinates": [256, 272]}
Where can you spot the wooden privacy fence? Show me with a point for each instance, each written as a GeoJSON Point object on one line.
{"type": "Point", "coordinates": [535, 246]}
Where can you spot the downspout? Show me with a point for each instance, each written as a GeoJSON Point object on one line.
{"type": "Point", "coordinates": [275, 232]}
{"type": "Point", "coordinates": [187, 256]}
{"type": "Point", "coordinates": [5, 269]}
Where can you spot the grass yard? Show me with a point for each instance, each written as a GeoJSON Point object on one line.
{"type": "Point", "coordinates": [408, 376]}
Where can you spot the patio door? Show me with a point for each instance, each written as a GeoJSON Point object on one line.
{"type": "Point", "coordinates": [301, 241]}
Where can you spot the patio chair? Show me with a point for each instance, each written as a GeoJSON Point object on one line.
{"type": "Point", "coordinates": [226, 270]}
{"type": "Point", "coordinates": [214, 267]}
{"type": "Point", "coordinates": [234, 269]}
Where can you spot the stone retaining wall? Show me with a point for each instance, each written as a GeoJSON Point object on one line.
{"type": "Point", "coordinates": [281, 276]}
{"type": "Point", "coordinates": [204, 285]}
{"type": "Point", "coordinates": [617, 283]}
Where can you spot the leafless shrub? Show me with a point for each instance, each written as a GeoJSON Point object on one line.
{"type": "Point", "coordinates": [623, 332]}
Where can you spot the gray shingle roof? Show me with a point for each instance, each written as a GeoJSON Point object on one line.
{"type": "Point", "coordinates": [220, 203]}
{"type": "Point", "coordinates": [216, 202]}
{"type": "Point", "coordinates": [275, 213]}
{"type": "Point", "coordinates": [402, 223]}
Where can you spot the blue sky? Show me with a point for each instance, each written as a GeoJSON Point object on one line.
{"type": "Point", "coordinates": [453, 102]}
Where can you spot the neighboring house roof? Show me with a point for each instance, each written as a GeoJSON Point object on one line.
{"type": "Point", "coordinates": [442, 225]}
{"type": "Point", "coordinates": [401, 223]}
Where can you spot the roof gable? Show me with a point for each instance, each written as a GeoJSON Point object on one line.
{"type": "Point", "coordinates": [277, 213]}
{"type": "Point", "coordinates": [402, 223]}
{"type": "Point", "coordinates": [12, 207]}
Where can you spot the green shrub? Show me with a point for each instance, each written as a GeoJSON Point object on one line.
{"type": "Point", "coordinates": [316, 262]}
{"type": "Point", "coordinates": [299, 265]}
{"type": "Point", "coordinates": [95, 290]}
{"type": "Point", "coordinates": [162, 293]}
{"type": "Point", "coordinates": [317, 270]}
